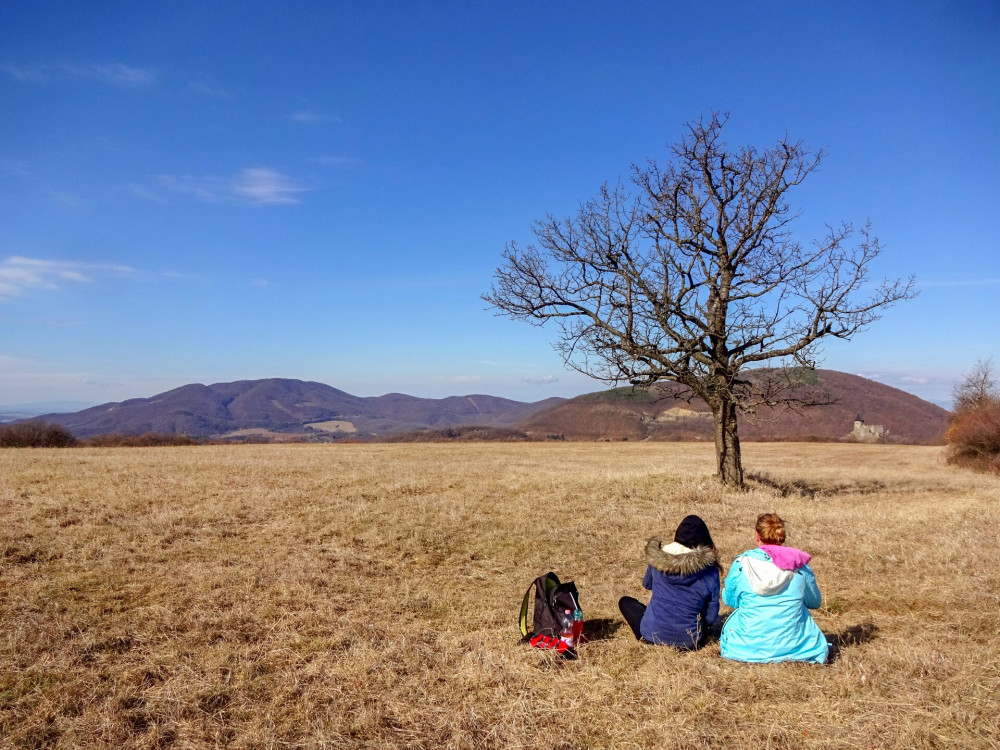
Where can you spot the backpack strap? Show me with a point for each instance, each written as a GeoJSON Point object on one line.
{"type": "Point", "coordinates": [524, 612]}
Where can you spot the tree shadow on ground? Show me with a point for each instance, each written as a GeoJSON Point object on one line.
{"type": "Point", "coordinates": [810, 490]}
{"type": "Point", "coordinates": [852, 636]}
{"type": "Point", "coordinates": [600, 629]}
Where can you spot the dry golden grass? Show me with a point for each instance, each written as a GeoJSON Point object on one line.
{"type": "Point", "coordinates": [365, 596]}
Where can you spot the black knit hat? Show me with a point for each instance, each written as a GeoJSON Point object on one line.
{"type": "Point", "coordinates": [693, 533]}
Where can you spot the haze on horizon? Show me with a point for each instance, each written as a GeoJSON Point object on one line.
{"type": "Point", "coordinates": [322, 193]}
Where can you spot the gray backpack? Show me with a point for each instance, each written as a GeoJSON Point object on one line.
{"type": "Point", "coordinates": [552, 599]}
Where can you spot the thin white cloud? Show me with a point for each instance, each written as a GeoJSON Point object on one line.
{"type": "Point", "coordinates": [24, 380]}
{"type": "Point", "coordinates": [255, 185]}
{"type": "Point", "coordinates": [495, 363]}
{"type": "Point", "coordinates": [205, 88]}
{"type": "Point", "coordinates": [69, 200]}
{"type": "Point", "coordinates": [309, 117]}
{"type": "Point", "coordinates": [117, 74]}
{"type": "Point", "coordinates": [259, 283]}
{"type": "Point", "coordinates": [208, 189]}
{"type": "Point", "coordinates": [178, 276]}
{"type": "Point", "coordinates": [266, 186]}
{"type": "Point", "coordinates": [10, 362]}
{"type": "Point", "coordinates": [111, 74]}
{"type": "Point", "coordinates": [463, 379]}
{"type": "Point", "coordinates": [19, 274]}
{"type": "Point", "coordinates": [917, 383]}
{"type": "Point", "coordinates": [542, 380]}
{"type": "Point", "coordinates": [145, 193]}
{"type": "Point", "coordinates": [337, 161]}
{"type": "Point", "coordinates": [11, 167]}
{"type": "Point", "coordinates": [29, 73]}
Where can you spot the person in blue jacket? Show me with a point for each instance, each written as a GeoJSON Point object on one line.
{"type": "Point", "coordinates": [684, 578]}
{"type": "Point", "coordinates": [771, 588]}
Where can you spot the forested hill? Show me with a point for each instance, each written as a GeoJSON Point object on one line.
{"type": "Point", "coordinates": [664, 413]}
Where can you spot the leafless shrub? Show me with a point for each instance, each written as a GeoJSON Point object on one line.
{"type": "Point", "coordinates": [974, 438]}
{"type": "Point", "coordinates": [462, 434]}
{"type": "Point", "coordinates": [974, 434]}
{"type": "Point", "coordinates": [145, 440]}
{"type": "Point", "coordinates": [35, 434]}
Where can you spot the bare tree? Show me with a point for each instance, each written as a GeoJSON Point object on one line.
{"type": "Point", "coordinates": [693, 276]}
{"type": "Point", "coordinates": [978, 389]}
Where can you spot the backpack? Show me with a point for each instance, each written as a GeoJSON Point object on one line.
{"type": "Point", "coordinates": [552, 599]}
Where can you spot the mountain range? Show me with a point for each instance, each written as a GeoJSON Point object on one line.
{"type": "Point", "coordinates": [279, 408]}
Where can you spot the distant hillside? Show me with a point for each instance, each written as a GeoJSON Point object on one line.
{"type": "Point", "coordinates": [662, 413]}
{"type": "Point", "coordinates": [290, 407]}
{"type": "Point", "coordinates": [281, 408]}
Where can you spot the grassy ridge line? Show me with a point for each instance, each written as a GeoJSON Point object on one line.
{"type": "Point", "coordinates": [365, 596]}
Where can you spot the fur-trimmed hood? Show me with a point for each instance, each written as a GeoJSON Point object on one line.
{"type": "Point", "coordinates": [680, 563]}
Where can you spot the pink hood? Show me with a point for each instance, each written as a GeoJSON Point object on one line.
{"type": "Point", "coordinates": [786, 558]}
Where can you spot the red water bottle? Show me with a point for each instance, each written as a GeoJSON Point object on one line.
{"type": "Point", "coordinates": [577, 626]}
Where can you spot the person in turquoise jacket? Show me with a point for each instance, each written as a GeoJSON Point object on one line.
{"type": "Point", "coordinates": [772, 588]}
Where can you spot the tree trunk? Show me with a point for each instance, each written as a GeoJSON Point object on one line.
{"type": "Point", "coordinates": [727, 444]}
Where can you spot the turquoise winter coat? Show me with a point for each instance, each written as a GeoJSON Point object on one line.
{"type": "Point", "coordinates": [771, 622]}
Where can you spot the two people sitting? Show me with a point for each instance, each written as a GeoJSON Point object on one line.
{"type": "Point", "coordinates": [771, 588]}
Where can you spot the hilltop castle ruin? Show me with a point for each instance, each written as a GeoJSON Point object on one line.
{"type": "Point", "coordinates": [868, 433]}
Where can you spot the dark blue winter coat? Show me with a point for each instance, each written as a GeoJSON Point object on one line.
{"type": "Point", "coordinates": [685, 601]}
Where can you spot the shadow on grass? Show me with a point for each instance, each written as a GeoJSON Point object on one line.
{"type": "Point", "coordinates": [600, 629]}
{"type": "Point", "coordinates": [810, 490]}
{"type": "Point", "coordinates": [852, 636]}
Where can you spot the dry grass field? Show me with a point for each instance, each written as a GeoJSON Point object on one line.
{"type": "Point", "coordinates": [365, 596]}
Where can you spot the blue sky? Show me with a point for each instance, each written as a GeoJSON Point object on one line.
{"type": "Point", "coordinates": [203, 192]}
